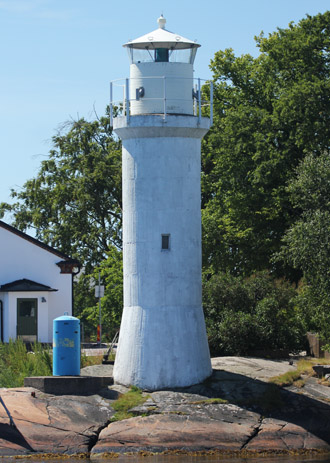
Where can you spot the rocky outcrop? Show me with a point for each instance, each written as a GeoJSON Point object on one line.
{"type": "Point", "coordinates": [192, 422]}
{"type": "Point", "coordinates": [226, 427]}
{"type": "Point", "coordinates": [235, 411]}
{"type": "Point", "coordinates": [50, 424]}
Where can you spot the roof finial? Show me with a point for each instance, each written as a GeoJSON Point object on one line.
{"type": "Point", "coordinates": [161, 22]}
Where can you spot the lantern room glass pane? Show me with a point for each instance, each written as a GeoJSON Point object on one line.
{"type": "Point", "coordinates": [151, 54]}
{"type": "Point", "coordinates": [186, 55]}
{"type": "Point", "coordinates": [140, 56]}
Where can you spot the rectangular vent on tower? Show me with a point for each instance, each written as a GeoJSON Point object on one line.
{"type": "Point", "coordinates": [166, 242]}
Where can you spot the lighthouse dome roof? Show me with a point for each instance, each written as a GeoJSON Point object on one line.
{"type": "Point", "coordinates": [161, 38]}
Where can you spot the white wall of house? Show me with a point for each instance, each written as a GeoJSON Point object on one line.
{"type": "Point", "coordinates": [22, 259]}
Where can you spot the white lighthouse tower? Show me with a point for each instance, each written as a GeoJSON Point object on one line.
{"type": "Point", "coordinates": [162, 340]}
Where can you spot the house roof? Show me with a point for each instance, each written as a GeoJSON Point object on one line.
{"type": "Point", "coordinates": [36, 242]}
{"type": "Point", "coordinates": [25, 285]}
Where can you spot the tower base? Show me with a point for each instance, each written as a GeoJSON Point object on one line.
{"type": "Point", "coordinates": [162, 347]}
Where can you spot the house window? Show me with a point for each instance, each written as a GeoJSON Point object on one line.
{"type": "Point", "coordinates": [166, 242]}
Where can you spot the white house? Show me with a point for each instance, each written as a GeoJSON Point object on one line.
{"type": "Point", "coordinates": [35, 286]}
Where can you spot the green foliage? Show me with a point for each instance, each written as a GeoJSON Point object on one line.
{"type": "Point", "coordinates": [306, 244]}
{"type": "Point", "coordinates": [86, 305]}
{"type": "Point", "coordinates": [304, 368]}
{"type": "Point", "coordinates": [131, 399]}
{"type": "Point", "coordinates": [16, 363]}
{"type": "Point", "coordinates": [90, 360]}
{"type": "Point", "coordinates": [270, 111]}
{"type": "Point", "coordinates": [74, 202]}
{"type": "Point", "coordinates": [249, 314]}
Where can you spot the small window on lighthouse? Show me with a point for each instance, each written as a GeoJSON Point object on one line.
{"type": "Point", "coordinates": [166, 242]}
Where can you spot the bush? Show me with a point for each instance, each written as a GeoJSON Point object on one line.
{"type": "Point", "coordinates": [248, 314]}
{"type": "Point", "coordinates": [313, 304]}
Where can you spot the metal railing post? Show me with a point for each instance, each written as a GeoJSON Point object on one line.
{"type": "Point", "coordinates": [199, 102]}
{"type": "Point", "coordinates": [211, 102]}
{"type": "Point", "coordinates": [127, 100]}
{"type": "Point", "coordinates": [111, 108]}
{"type": "Point", "coordinates": [195, 100]}
{"type": "Point", "coordinates": [164, 80]}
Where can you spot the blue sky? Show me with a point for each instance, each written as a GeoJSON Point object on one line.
{"type": "Point", "coordinates": [58, 57]}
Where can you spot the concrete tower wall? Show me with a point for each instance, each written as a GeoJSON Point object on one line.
{"type": "Point", "coordinates": [171, 83]}
{"type": "Point", "coordinates": [163, 339]}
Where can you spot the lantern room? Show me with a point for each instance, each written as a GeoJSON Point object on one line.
{"type": "Point", "coordinates": [161, 46]}
{"type": "Point", "coordinates": [161, 72]}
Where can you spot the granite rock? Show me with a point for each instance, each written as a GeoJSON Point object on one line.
{"type": "Point", "coordinates": [157, 433]}
{"type": "Point", "coordinates": [50, 424]}
{"type": "Point", "coordinates": [235, 410]}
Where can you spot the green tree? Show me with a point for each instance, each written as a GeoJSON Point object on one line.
{"type": "Point", "coordinates": [74, 202]}
{"type": "Point", "coordinates": [111, 275]}
{"type": "Point", "coordinates": [74, 205]}
{"type": "Point", "coordinates": [307, 242]}
{"type": "Point", "coordinates": [245, 315]}
{"type": "Point", "coordinates": [270, 111]}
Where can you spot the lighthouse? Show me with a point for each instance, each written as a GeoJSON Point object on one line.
{"type": "Point", "coordinates": [162, 340]}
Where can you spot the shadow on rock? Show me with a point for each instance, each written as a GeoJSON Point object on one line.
{"type": "Point", "coordinates": [12, 434]}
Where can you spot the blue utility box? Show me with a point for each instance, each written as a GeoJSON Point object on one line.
{"type": "Point", "coordinates": [66, 346]}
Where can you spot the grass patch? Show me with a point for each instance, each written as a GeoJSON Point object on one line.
{"type": "Point", "coordinates": [16, 362]}
{"type": "Point", "coordinates": [131, 399]}
{"type": "Point", "coordinates": [209, 401]}
{"type": "Point", "coordinates": [287, 379]}
{"type": "Point", "coordinates": [304, 368]}
{"type": "Point", "coordinates": [90, 360]}
{"type": "Point", "coordinates": [300, 383]}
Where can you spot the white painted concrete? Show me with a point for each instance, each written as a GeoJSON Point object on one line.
{"type": "Point", "coordinates": [163, 338]}
{"type": "Point", "coordinates": [163, 83]}
{"type": "Point", "coordinates": [162, 347]}
{"type": "Point", "coordinates": [22, 259]}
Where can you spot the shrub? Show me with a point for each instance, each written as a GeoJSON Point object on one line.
{"type": "Point", "coordinates": [247, 314]}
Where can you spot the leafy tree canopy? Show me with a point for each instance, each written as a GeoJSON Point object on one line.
{"type": "Point", "coordinates": [74, 202]}
{"type": "Point", "coordinates": [270, 111]}
{"type": "Point", "coordinates": [306, 244]}
{"type": "Point", "coordinates": [246, 315]}
{"type": "Point", "coordinates": [86, 305]}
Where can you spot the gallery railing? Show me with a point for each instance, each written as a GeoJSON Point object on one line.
{"type": "Point", "coordinates": [162, 96]}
